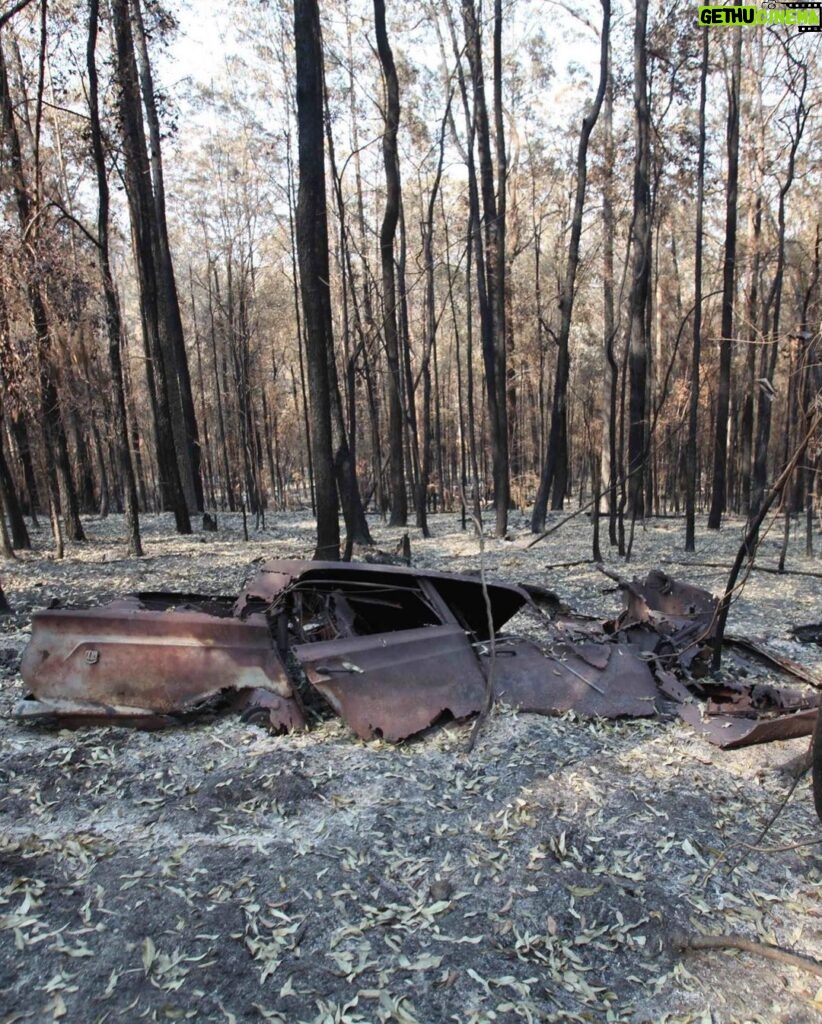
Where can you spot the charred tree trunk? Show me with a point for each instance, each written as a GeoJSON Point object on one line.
{"type": "Point", "coordinates": [491, 277]}
{"type": "Point", "coordinates": [421, 496]}
{"type": "Point", "coordinates": [345, 468]}
{"type": "Point", "coordinates": [113, 325]}
{"type": "Point", "coordinates": [55, 446]}
{"type": "Point", "coordinates": [555, 471]}
{"type": "Point", "coordinates": [611, 385]}
{"type": "Point", "coordinates": [641, 240]}
{"type": "Point", "coordinates": [399, 499]}
{"type": "Point", "coordinates": [181, 399]}
{"type": "Point", "coordinates": [773, 303]}
{"type": "Point", "coordinates": [312, 246]}
{"type": "Point", "coordinates": [693, 402]}
{"type": "Point", "coordinates": [9, 502]}
{"type": "Point", "coordinates": [749, 382]}
{"type": "Point", "coordinates": [137, 175]}
{"type": "Point", "coordinates": [719, 495]}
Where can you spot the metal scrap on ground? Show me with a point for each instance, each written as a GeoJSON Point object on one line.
{"type": "Point", "coordinates": [393, 650]}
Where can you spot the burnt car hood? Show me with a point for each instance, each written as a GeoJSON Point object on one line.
{"type": "Point", "coordinates": [462, 593]}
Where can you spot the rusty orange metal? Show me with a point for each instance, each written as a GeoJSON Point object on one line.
{"type": "Point", "coordinates": [393, 649]}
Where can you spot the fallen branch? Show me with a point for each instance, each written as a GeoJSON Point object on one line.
{"type": "Point", "coordinates": [781, 849]}
{"type": "Point", "coordinates": [756, 568]}
{"type": "Point", "coordinates": [782, 956]}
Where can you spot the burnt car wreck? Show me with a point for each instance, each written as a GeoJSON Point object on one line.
{"type": "Point", "coordinates": [393, 650]}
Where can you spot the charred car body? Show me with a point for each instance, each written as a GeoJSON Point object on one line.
{"type": "Point", "coordinates": [392, 650]}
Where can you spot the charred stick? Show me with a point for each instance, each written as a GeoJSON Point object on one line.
{"type": "Point", "coordinates": [783, 956]}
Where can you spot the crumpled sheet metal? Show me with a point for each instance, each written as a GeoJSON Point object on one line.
{"type": "Point", "coordinates": [597, 680]}
{"type": "Point", "coordinates": [391, 649]}
{"type": "Point", "coordinates": [668, 612]}
{"type": "Point", "coordinates": [128, 661]}
{"type": "Point", "coordinates": [677, 621]}
{"type": "Point", "coordinates": [735, 714]}
{"type": "Point", "coordinates": [399, 686]}
{"type": "Point", "coordinates": [734, 731]}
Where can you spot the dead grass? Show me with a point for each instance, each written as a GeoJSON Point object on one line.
{"type": "Point", "coordinates": [215, 873]}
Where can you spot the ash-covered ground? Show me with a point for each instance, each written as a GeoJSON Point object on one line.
{"type": "Point", "coordinates": [215, 873]}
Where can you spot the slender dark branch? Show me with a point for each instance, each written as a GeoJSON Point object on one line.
{"type": "Point", "coordinates": [13, 10]}
{"type": "Point", "coordinates": [57, 204]}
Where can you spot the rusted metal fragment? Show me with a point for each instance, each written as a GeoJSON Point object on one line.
{"type": "Point", "coordinates": [672, 687]}
{"type": "Point", "coordinates": [126, 656]}
{"type": "Point", "coordinates": [660, 596]}
{"type": "Point", "coordinates": [733, 731]}
{"type": "Point", "coordinates": [752, 699]}
{"type": "Point", "coordinates": [680, 612]}
{"type": "Point", "coordinates": [398, 684]}
{"type": "Point", "coordinates": [602, 681]}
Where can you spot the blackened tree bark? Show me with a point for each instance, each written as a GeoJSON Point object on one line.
{"type": "Point", "coordinates": [112, 305]}
{"type": "Point", "coordinates": [693, 404]}
{"type": "Point", "coordinates": [10, 402]}
{"type": "Point", "coordinates": [20, 435]}
{"type": "Point", "coordinates": [137, 174]}
{"type": "Point", "coordinates": [610, 388]}
{"type": "Point", "coordinates": [388, 230]}
{"type": "Point", "coordinates": [718, 493]}
{"type": "Point", "coordinates": [491, 284]}
{"type": "Point", "coordinates": [555, 470]}
{"type": "Point", "coordinates": [502, 340]}
{"type": "Point", "coordinates": [181, 399]}
{"type": "Point", "coordinates": [473, 244]}
{"type": "Point", "coordinates": [641, 241]}
{"type": "Point", "coordinates": [312, 245]}
{"type": "Point", "coordinates": [10, 502]}
{"type": "Point", "coordinates": [345, 467]}
{"type": "Point", "coordinates": [431, 320]}
{"type": "Point", "coordinates": [755, 159]}
{"type": "Point", "coordinates": [5, 607]}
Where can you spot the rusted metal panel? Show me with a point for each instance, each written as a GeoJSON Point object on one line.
{"type": "Point", "coordinates": [664, 614]}
{"type": "Point", "coordinates": [397, 684]}
{"type": "Point", "coordinates": [733, 731]}
{"type": "Point", "coordinates": [599, 680]}
{"type": "Point", "coordinates": [124, 656]}
{"type": "Point", "coordinates": [661, 597]}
